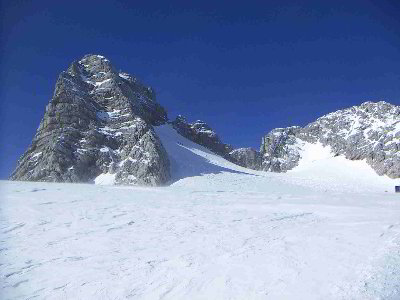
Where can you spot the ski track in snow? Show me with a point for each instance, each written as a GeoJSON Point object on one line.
{"type": "Point", "coordinates": [325, 230]}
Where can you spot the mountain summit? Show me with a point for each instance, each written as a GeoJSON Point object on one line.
{"type": "Point", "coordinates": [97, 126]}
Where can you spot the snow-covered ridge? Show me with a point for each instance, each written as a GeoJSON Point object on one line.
{"type": "Point", "coordinates": [367, 119]}
{"type": "Point", "coordinates": [192, 164]}
{"type": "Point", "coordinates": [368, 132]}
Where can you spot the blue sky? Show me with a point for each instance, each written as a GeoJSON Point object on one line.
{"type": "Point", "coordinates": [243, 67]}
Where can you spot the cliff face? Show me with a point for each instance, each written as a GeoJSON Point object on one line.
{"type": "Point", "coordinates": [370, 131]}
{"type": "Point", "coordinates": [278, 150]}
{"type": "Point", "coordinates": [97, 126]}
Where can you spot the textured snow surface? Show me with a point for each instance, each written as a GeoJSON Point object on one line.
{"type": "Point", "coordinates": [218, 232]}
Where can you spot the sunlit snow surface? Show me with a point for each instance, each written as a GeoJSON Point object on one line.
{"type": "Point", "coordinates": [325, 230]}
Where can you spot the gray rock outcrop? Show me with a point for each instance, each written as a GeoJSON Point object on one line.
{"type": "Point", "coordinates": [279, 151]}
{"type": "Point", "coordinates": [202, 134]}
{"type": "Point", "coordinates": [98, 124]}
{"type": "Point", "coordinates": [246, 157]}
{"type": "Point", "coordinates": [370, 131]}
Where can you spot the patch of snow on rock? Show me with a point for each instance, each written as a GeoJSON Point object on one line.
{"type": "Point", "coordinates": [105, 179]}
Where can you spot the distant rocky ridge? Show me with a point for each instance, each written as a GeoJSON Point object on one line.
{"type": "Point", "coordinates": [370, 131]}
{"type": "Point", "coordinates": [202, 134]}
{"type": "Point", "coordinates": [99, 123]}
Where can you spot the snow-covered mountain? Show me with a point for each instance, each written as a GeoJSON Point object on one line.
{"type": "Point", "coordinates": [100, 127]}
{"type": "Point", "coordinates": [368, 132]}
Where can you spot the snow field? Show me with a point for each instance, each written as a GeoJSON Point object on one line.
{"type": "Point", "coordinates": [325, 230]}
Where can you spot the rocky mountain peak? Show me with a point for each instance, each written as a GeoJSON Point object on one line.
{"type": "Point", "coordinates": [97, 126]}
{"type": "Point", "coordinates": [97, 65]}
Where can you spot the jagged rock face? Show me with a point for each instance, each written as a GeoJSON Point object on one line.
{"type": "Point", "coordinates": [370, 131]}
{"type": "Point", "coordinates": [279, 150]}
{"type": "Point", "coordinates": [98, 122]}
{"type": "Point", "coordinates": [246, 157]}
{"type": "Point", "coordinates": [202, 134]}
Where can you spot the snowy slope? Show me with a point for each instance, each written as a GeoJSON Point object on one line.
{"type": "Point", "coordinates": [321, 169]}
{"type": "Point", "coordinates": [194, 165]}
{"type": "Point", "coordinates": [219, 231]}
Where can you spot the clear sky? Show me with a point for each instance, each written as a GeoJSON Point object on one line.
{"type": "Point", "coordinates": [244, 67]}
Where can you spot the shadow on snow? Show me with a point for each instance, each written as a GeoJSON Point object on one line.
{"type": "Point", "coordinates": [188, 159]}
